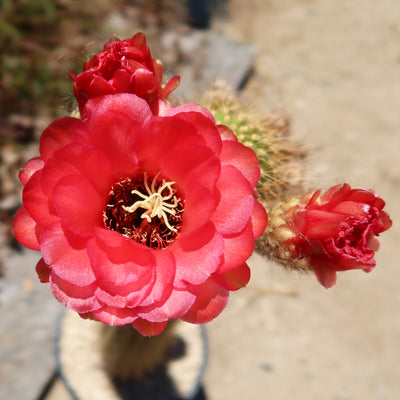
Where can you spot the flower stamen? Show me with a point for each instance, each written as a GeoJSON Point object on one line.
{"type": "Point", "coordinates": [146, 209]}
{"type": "Point", "coordinates": [154, 202]}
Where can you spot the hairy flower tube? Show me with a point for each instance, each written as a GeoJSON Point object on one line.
{"type": "Point", "coordinates": [124, 66]}
{"type": "Point", "coordinates": [330, 232]}
{"type": "Point", "coordinates": [140, 218]}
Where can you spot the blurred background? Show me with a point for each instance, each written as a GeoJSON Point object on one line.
{"type": "Point", "coordinates": [333, 68]}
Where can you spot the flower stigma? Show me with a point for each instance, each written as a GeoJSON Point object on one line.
{"type": "Point", "coordinates": [148, 211]}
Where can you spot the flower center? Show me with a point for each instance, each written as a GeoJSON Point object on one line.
{"type": "Point", "coordinates": [148, 211]}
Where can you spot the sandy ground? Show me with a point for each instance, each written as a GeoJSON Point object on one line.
{"type": "Point", "coordinates": [334, 66]}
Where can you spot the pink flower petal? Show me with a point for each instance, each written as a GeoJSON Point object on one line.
{"type": "Point", "coordinates": [325, 275]}
{"type": "Point", "coordinates": [373, 243]}
{"type": "Point", "coordinates": [67, 255]}
{"type": "Point", "coordinates": [243, 158]}
{"type": "Point", "coordinates": [114, 133]}
{"type": "Point", "coordinates": [78, 204]}
{"type": "Point", "coordinates": [318, 224]}
{"type": "Point", "coordinates": [235, 279]}
{"type": "Point", "coordinates": [335, 194]}
{"type": "Point", "coordinates": [203, 120]}
{"type": "Point", "coordinates": [120, 249]}
{"type": "Point", "coordinates": [164, 107]}
{"type": "Point", "coordinates": [171, 85]}
{"type": "Point", "coordinates": [43, 271]}
{"type": "Point", "coordinates": [226, 133]}
{"type": "Point", "coordinates": [78, 298]}
{"type": "Point", "coordinates": [115, 316]}
{"type": "Point", "coordinates": [238, 248]}
{"type": "Point", "coordinates": [200, 203]}
{"type": "Point", "coordinates": [384, 223]}
{"type": "Point", "coordinates": [197, 255]}
{"type": "Point", "coordinates": [59, 133]}
{"type": "Point", "coordinates": [36, 203]}
{"type": "Point", "coordinates": [129, 104]}
{"type": "Point", "coordinates": [165, 273]}
{"type": "Point", "coordinates": [81, 160]}
{"type": "Point", "coordinates": [206, 174]}
{"type": "Point", "coordinates": [121, 81]}
{"type": "Point", "coordinates": [182, 163]}
{"type": "Point", "coordinates": [366, 197]}
{"type": "Point", "coordinates": [259, 219]}
{"type": "Point", "coordinates": [161, 135]}
{"type": "Point", "coordinates": [177, 304]}
{"type": "Point", "coordinates": [29, 169]}
{"type": "Point", "coordinates": [351, 208]}
{"type": "Point", "coordinates": [122, 283]}
{"type": "Point", "coordinates": [122, 280]}
{"type": "Point", "coordinates": [237, 202]}
{"type": "Point", "coordinates": [95, 86]}
{"type": "Point", "coordinates": [147, 328]}
{"type": "Point", "coordinates": [127, 296]}
{"type": "Point", "coordinates": [26, 230]}
{"type": "Point", "coordinates": [211, 299]}
{"type": "Point", "coordinates": [368, 270]}
{"type": "Point", "coordinates": [143, 83]}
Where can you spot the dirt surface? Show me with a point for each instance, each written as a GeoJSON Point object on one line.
{"type": "Point", "coordinates": [334, 67]}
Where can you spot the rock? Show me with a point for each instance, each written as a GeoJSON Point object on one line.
{"type": "Point", "coordinates": [205, 56]}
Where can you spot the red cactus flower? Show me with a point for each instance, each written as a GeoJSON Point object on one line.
{"type": "Point", "coordinates": [123, 67]}
{"type": "Point", "coordinates": [332, 232]}
{"type": "Point", "coordinates": [141, 218]}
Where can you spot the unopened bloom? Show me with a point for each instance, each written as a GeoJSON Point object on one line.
{"type": "Point", "coordinates": [123, 67]}
{"type": "Point", "coordinates": [330, 232]}
{"type": "Point", "coordinates": [141, 218]}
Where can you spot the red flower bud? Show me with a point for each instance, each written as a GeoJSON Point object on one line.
{"type": "Point", "coordinates": [123, 67]}
{"type": "Point", "coordinates": [332, 232]}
